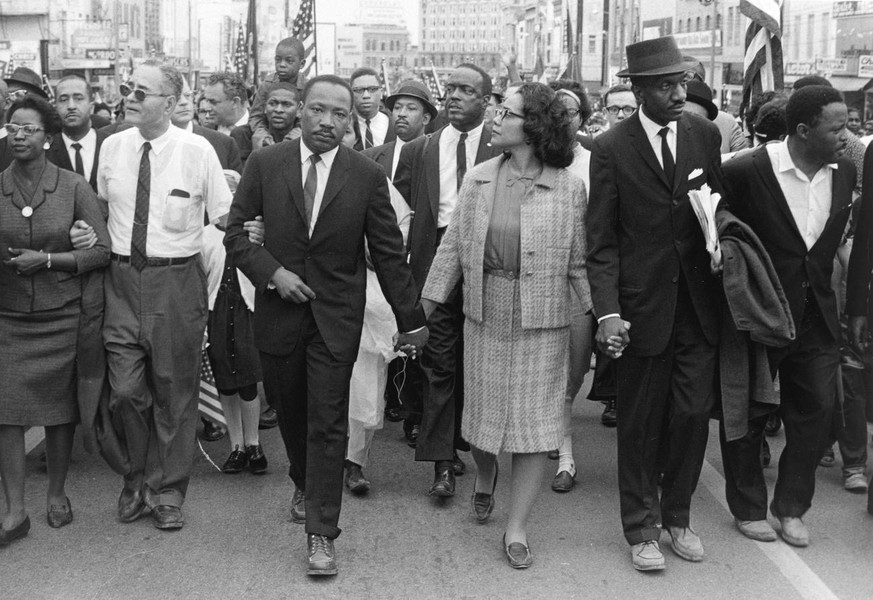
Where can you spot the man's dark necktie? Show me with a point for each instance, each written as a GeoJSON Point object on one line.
{"type": "Point", "coordinates": [309, 189]}
{"type": "Point", "coordinates": [368, 141]}
{"type": "Point", "coordinates": [462, 158]}
{"type": "Point", "coordinates": [666, 155]}
{"type": "Point", "coordinates": [141, 212]}
{"type": "Point", "coordinates": [80, 166]}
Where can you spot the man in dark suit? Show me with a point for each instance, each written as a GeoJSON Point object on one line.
{"type": "Point", "coordinates": [226, 149]}
{"type": "Point", "coordinates": [429, 176]}
{"type": "Point", "coordinates": [371, 122]}
{"type": "Point", "coordinates": [655, 299]}
{"type": "Point", "coordinates": [796, 195]}
{"type": "Point", "coordinates": [318, 200]}
{"type": "Point", "coordinates": [78, 147]}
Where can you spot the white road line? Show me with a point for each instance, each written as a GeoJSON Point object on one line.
{"type": "Point", "coordinates": [792, 567]}
{"type": "Point", "coordinates": [32, 438]}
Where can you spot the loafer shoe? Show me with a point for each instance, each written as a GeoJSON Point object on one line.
{"type": "Point", "coordinates": [236, 462]}
{"type": "Point", "coordinates": [760, 531]}
{"type": "Point", "coordinates": [268, 419]}
{"type": "Point", "coordinates": [355, 480]}
{"type": "Point", "coordinates": [298, 506]}
{"type": "Point", "coordinates": [608, 417]}
{"type": "Point", "coordinates": [59, 515]}
{"type": "Point", "coordinates": [686, 544]}
{"type": "Point", "coordinates": [855, 482]}
{"type": "Point", "coordinates": [257, 459]}
{"type": "Point", "coordinates": [518, 554]}
{"type": "Point", "coordinates": [563, 482]}
{"type": "Point", "coordinates": [483, 503]}
{"type": "Point", "coordinates": [794, 531]}
{"type": "Point", "coordinates": [322, 559]}
{"type": "Point", "coordinates": [7, 536]}
{"type": "Point", "coordinates": [131, 506]}
{"type": "Point", "coordinates": [458, 465]}
{"type": "Point", "coordinates": [211, 432]}
{"type": "Point", "coordinates": [647, 556]}
{"type": "Point", "coordinates": [168, 517]}
{"type": "Point", "coordinates": [443, 482]}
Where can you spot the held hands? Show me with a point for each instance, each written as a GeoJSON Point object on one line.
{"type": "Point", "coordinates": [612, 336]}
{"type": "Point", "coordinates": [82, 235]}
{"type": "Point", "coordinates": [411, 343]}
{"type": "Point", "coordinates": [290, 287]}
{"type": "Point", "coordinates": [255, 229]}
{"type": "Point", "coordinates": [26, 262]}
{"type": "Point", "coordinates": [859, 334]}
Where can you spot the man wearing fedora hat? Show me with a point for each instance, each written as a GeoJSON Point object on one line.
{"type": "Point", "coordinates": [655, 298]}
{"type": "Point", "coordinates": [24, 81]}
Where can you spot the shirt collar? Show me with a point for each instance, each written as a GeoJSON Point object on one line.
{"type": "Point", "coordinates": [88, 140]}
{"type": "Point", "coordinates": [651, 128]}
{"type": "Point", "coordinates": [786, 163]}
{"type": "Point", "coordinates": [243, 120]}
{"type": "Point", "coordinates": [473, 134]}
{"type": "Point", "coordinates": [160, 142]}
{"type": "Point", "coordinates": [326, 157]}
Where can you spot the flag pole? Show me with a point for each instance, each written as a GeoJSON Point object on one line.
{"type": "Point", "coordinates": [253, 26]}
{"type": "Point", "coordinates": [315, 35]}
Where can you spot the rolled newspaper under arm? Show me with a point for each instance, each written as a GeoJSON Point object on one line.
{"type": "Point", "coordinates": [704, 202]}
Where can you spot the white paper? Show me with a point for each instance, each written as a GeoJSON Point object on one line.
{"type": "Point", "coordinates": [704, 202]}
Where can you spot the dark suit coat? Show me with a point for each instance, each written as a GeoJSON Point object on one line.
{"type": "Point", "coordinates": [226, 149]}
{"type": "Point", "coordinates": [58, 155]}
{"type": "Point", "coordinates": [356, 203]}
{"type": "Point", "coordinates": [642, 231]}
{"type": "Point", "coordinates": [359, 139]}
{"type": "Point", "coordinates": [384, 155]}
{"type": "Point", "coordinates": [5, 154]}
{"type": "Point", "coordinates": [418, 180]}
{"type": "Point", "coordinates": [861, 261]}
{"type": "Point", "coordinates": [754, 196]}
{"type": "Point", "coordinates": [242, 137]}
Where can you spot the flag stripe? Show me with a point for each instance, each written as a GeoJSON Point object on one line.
{"type": "Point", "coordinates": [766, 13]}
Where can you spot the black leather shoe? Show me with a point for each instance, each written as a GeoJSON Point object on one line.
{"type": "Point", "coordinates": [458, 465]}
{"type": "Point", "coordinates": [211, 432]}
{"type": "Point", "coordinates": [268, 420]}
{"type": "Point", "coordinates": [236, 462]}
{"type": "Point", "coordinates": [392, 413]}
{"type": "Point", "coordinates": [774, 424]}
{"type": "Point", "coordinates": [518, 554]}
{"type": "Point", "coordinates": [483, 504]}
{"type": "Point", "coordinates": [553, 455]}
{"type": "Point", "coordinates": [59, 515]}
{"type": "Point", "coordinates": [16, 533]}
{"type": "Point", "coordinates": [322, 560]}
{"type": "Point", "coordinates": [131, 506]}
{"type": "Point", "coordinates": [443, 482]}
{"type": "Point", "coordinates": [298, 507]}
{"type": "Point", "coordinates": [257, 459]}
{"type": "Point", "coordinates": [355, 480]}
{"type": "Point", "coordinates": [168, 517]}
{"type": "Point", "coordinates": [411, 432]}
{"type": "Point", "coordinates": [563, 482]}
{"type": "Point", "coordinates": [608, 418]}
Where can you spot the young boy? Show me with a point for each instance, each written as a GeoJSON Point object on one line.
{"type": "Point", "coordinates": [289, 58]}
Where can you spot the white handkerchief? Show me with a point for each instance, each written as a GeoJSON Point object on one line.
{"type": "Point", "coordinates": [695, 173]}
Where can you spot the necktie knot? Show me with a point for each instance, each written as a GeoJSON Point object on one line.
{"type": "Point", "coordinates": [463, 137]}
{"type": "Point", "coordinates": [663, 132]}
{"type": "Point", "coordinates": [146, 147]}
{"type": "Point", "coordinates": [315, 158]}
{"type": "Point", "coordinates": [76, 146]}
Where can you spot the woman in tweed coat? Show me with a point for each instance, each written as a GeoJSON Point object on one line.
{"type": "Point", "coordinates": [517, 241]}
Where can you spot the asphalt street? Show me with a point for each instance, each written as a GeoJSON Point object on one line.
{"type": "Point", "coordinates": [399, 543]}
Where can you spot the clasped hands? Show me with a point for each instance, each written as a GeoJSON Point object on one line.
{"type": "Point", "coordinates": [411, 343]}
{"type": "Point", "coordinates": [859, 334]}
{"type": "Point", "coordinates": [612, 336]}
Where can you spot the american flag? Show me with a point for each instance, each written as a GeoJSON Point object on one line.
{"type": "Point", "coordinates": [47, 88]}
{"type": "Point", "coordinates": [241, 54]}
{"type": "Point", "coordinates": [762, 63]}
{"type": "Point", "coordinates": [10, 68]}
{"type": "Point", "coordinates": [209, 404]}
{"type": "Point", "coordinates": [304, 30]}
{"type": "Point", "coordinates": [431, 80]}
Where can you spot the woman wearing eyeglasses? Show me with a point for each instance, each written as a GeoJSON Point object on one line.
{"type": "Point", "coordinates": [517, 241]}
{"type": "Point", "coordinates": [40, 296]}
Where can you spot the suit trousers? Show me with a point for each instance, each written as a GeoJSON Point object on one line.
{"type": "Point", "coordinates": [849, 422]}
{"type": "Point", "coordinates": [443, 384]}
{"type": "Point", "coordinates": [153, 333]}
{"type": "Point", "coordinates": [807, 380]}
{"type": "Point", "coordinates": [309, 389]}
{"type": "Point", "coordinates": [663, 406]}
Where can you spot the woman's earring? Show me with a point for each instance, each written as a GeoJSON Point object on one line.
{"type": "Point", "coordinates": [46, 145]}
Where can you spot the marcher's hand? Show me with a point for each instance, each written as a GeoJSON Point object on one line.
{"type": "Point", "coordinates": [290, 287]}
{"type": "Point", "coordinates": [26, 262]}
{"type": "Point", "coordinates": [82, 235]}
{"type": "Point", "coordinates": [268, 141]}
{"type": "Point", "coordinates": [412, 343]}
{"type": "Point", "coordinates": [859, 334]}
{"type": "Point", "coordinates": [508, 57]}
{"type": "Point", "coordinates": [612, 336]}
{"type": "Point", "coordinates": [255, 229]}
{"type": "Point", "coordinates": [232, 178]}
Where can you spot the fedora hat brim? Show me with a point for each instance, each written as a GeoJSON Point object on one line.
{"type": "Point", "coordinates": [680, 67]}
{"type": "Point", "coordinates": [28, 86]}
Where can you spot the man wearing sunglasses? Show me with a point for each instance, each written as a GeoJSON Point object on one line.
{"type": "Point", "coordinates": [157, 180]}
{"type": "Point", "coordinates": [372, 122]}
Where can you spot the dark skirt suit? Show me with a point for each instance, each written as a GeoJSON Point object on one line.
{"type": "Point", "coordinates": [39, 314]}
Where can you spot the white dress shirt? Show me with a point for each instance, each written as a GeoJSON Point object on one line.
{"type": "Point", "coordinates": [88, 151]}
{"type": "Point", "coordinates": [652, 130]}
{"type": "Point", "coordinates": [397, 147]}
{"type": "Point", "coordinates": [322, 169]}
{"type": "Point", "coordinates": [449, 139]}
{"type": "Point", "coordinates": [378, 127]}
{"type": "Point", "coordinates": [809, 201]}
{"type": "Point", "coordinates": [178, 161]}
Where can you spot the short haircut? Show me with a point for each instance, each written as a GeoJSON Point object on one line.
{"type": "Point", "coordinates": [806, 104]}
{"type": "Point", "coordinates": [547, 125]}
{"type": "Point", "coordinates": [171, 78]}
{"type": "Point", "coordinates": [233, 85]}
{"type": "Point", "coordinates": [575, 87]}
{"type": "Point", "coordinates": [361, 72]}
{"type": "Point", "coordinates": [854, 109]}
{"type": "Point", "coordinates": [292, 43]}
{"type": "Point", "coordinates": [284, 85]}
{"type": "Point", "coordinates": [88, 89]}
{"type": "Point", "coordinates": [98, 106]}
{"type": "Point", "coordinates": [751, 113]}
{"type": "Point", "coordinates": [331, 79]}
{"type": "Point", "coordinates": [51, 120]}
{"type": "Point", "coordinates": [810, 80]}
{"type": "Point", "coordinates": [621, 87]}
{"type": "Point", "coordinates": [486, 79]}
{"type": "Point", "coordinates": [770, 123]}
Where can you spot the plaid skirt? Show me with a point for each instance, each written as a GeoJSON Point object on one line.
{"type": "Point", "coordinates": [514, 378]}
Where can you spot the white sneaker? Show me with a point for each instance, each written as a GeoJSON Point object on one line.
{"type": "Point", "coordinates": [856, 482]}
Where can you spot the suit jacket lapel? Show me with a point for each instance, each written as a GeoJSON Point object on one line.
{"type": "Point", "coordinates": [431, 161]}
{"type": "Point", "coordinates": [641, 143]}
{"type": "Point", "coordinates": [294, 179]}
{"type": "Point", "coordinates": [684, 150]}
{"type": "Point", "coordinates": [840, 189]}
{"type": "Point", "coordinates": [485, 204]}
{"type": "Point", "coordinates": [59, 154]}
{"type": "Point", "coordinates": [484, 151]}
{"type": "Point", "coordinates": [762, 163]}
{"type": "Point", "coordinates": [339, 174]}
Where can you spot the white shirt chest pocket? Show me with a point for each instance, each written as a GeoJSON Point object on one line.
{"type": "Point", "coordinates": [181, 210]}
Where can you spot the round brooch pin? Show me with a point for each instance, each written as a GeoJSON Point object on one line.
{"type": "Point", "coordinates": [26, 211]}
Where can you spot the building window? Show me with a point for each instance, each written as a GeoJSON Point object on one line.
{"type": "Point", "coordinates": [592, 43]}
{"type": "Point", "coordinates": [697, 24]}
{"type": "Point", "coordinates": [825, 33]}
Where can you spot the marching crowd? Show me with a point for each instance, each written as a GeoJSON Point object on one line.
{"type": "Point", "coordinates": [350, 258]}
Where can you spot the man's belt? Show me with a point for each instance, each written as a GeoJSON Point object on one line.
{"type": "Point", "coordinates": [154, 261]}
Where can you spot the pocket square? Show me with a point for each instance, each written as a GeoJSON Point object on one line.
{"type": "Point", "coordinates": [695, 173]}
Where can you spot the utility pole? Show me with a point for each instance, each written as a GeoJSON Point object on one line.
{"type": "Point", "coordinates": [604, 67]}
